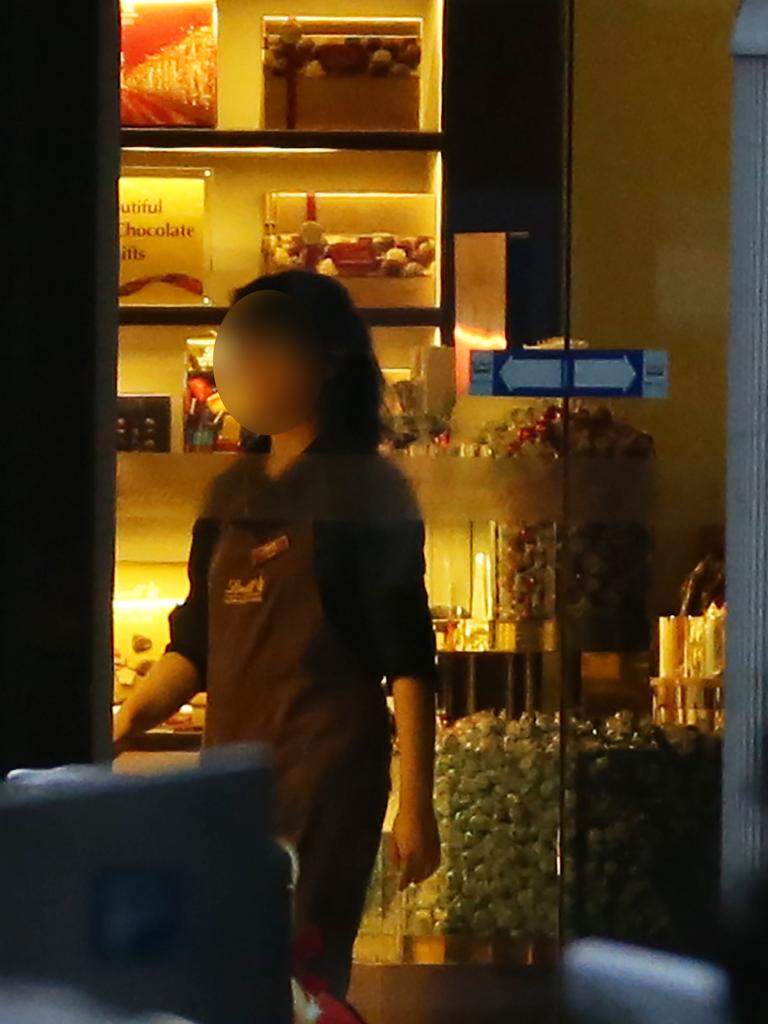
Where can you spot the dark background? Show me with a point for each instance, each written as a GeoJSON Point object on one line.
{"type": "Point", "coordinates": [61, 160]}
{"type": "Point", "coordinates": [503, 115]}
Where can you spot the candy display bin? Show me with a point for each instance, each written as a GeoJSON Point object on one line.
{"type": "Point", "coordinates": [539, 847]}
{"type": "Point", "coordinates": [496, 894]}
{"type": "Point", "coordinates": [380, 245]}
{"type": "Point", "coordinates": [605, 574]}
{"type": "Point", "coordinates": [326, 74]}
{"type": "Point", "coordinates": [380, 939]}
{"type": "Point", "coordinates": [643, 865]}
{"type": "Point", "coordinates": [601, 559]}
{"type": "Point", "coordinates": [606, 580]}
{"type": "Point", "coordinates": [526, 556]}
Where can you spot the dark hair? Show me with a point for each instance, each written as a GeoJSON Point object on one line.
{"type": "Point", "coordinates": [350, 411]}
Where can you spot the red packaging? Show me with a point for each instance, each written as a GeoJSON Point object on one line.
{"type": "Point", "coordinates": [355, 258]}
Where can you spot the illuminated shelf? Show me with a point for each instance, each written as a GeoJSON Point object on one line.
{"type": "Point", "coordinates": [221, 141]}
{"type": "Point", "coordinates": [191, 316]}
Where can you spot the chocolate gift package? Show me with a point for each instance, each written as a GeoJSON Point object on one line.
{"type": "Point", "coordinates": [381, 245]}
{"type": "Point", "coordinates": [339, 74]}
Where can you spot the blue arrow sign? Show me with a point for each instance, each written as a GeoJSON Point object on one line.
{"type": "Point", "coordinates": [606, 373]}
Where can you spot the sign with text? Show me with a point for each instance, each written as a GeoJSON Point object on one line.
{"type": "Point", "coordinates": [605, 373]}
{"type": "Point", "coordinates": [162, 250]}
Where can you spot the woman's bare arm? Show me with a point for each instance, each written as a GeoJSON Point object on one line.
{"type": "Point", "coordinates": [416, 839]}
{"type": "Point", "coordinates": [172, 681]}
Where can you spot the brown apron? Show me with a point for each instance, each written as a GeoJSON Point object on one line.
{"type": "Point", "coordinates": [277, 673]}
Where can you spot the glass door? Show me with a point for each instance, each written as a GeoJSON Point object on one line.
{"type": "Point", "coordinates": [642, 604]}
{"type": "Point", "coordinates": [569, 459]}
{"type": "Point", "coordinates": [578, 758]}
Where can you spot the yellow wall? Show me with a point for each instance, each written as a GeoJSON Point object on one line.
{"type": "Point", "coordinates": [651, 146]}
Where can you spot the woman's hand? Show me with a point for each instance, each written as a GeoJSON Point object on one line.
{"type": "Point", "coordinates": [172, 681]}
{"type": "Point", "coordinates": [122, 728]}
{"type": "Point", "coordinates": [415, 843]}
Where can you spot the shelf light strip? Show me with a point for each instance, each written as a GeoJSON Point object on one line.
{"type": "Point", "coordinates": [357, 195]}
{"type": "Point", "coordinates": [237, 150]}
{"type": "Point", "coordinates": [127, 5]}
{"type": "Point", "coordinates": [479, 339]}
{"type": "Point", "coordinates": [125, 604]}
{"type": "Point", "coordinates": [437, 186]}
{"type": "Point", "coordinates": [353, 19]}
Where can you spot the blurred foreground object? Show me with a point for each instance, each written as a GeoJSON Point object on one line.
{"type": "Point", "coordinates": [64, 775]}
{"type": "Point", "coordinates": [25, 1004]}
{"type": "Point", "coordinates": [162, 893]}
{"type": "Point", "coordinates": [607, 982]}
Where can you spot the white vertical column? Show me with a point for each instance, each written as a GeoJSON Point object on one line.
{"type": "Point", "coordinates": [745, 817]}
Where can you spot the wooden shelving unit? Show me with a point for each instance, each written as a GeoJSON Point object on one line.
{"type": "Point", "coordinates": [163, 489]}
{"type": "Point", "coordinates": [191, 316]}
{"type": "Point", "coordinates": [222, 142]}
{"type": "Point", "coordinates": [217, 139]}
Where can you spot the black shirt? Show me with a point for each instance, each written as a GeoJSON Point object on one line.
{"type": "Point", "coordinates": [368, 555]}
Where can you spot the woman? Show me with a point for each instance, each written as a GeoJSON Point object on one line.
{"type": "Point", "coordinates": [306, 591]}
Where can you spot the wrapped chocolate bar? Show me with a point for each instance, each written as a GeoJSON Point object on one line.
{"type": "Point", "coordinates": [332, 74]}
{"type": "Point", "coordinates": [343, 235]}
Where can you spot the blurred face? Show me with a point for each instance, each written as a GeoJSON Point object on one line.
{"type": "Point", "coordinates": [269, 382]}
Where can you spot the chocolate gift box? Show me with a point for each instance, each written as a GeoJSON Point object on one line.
{"type": "Point", "coordinates": [323, 74]}
{"type": "Point", "coordinates": [380, 245]}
